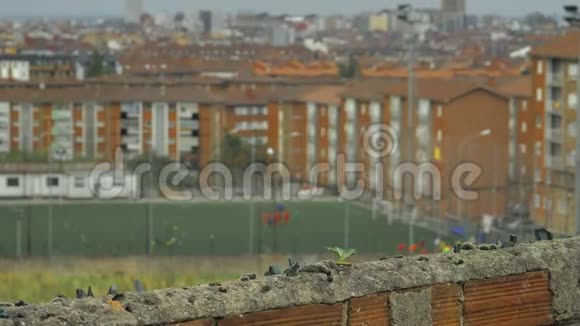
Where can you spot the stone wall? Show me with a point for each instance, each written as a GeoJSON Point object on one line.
{"type": "Point", "coordinates": [529, 284]}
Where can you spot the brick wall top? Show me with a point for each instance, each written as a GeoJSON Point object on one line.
{"type": "Point", "coordinates": [539, 281]}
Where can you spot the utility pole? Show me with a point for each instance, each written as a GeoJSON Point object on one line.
{"type": "Point", "coordinates": [252, 217]}
{"type": "Point", "coordinates": [573, 18]}
{"type": "Point", "coordinates": [462, 146]}
{"type": "Point", "coordinates": [406, 14]}
{"type": "Point", "coordinates": [149, 202]}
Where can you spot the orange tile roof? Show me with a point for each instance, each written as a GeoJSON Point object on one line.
{"type": "Point", "coordinates": [296, 68]}
{"type": "Point", "coordinates": [516, 86]}
{"type": "Point", "coordinates": [564, 47]}
{"type": "Point", "coordinates": [108, 94]}
{"type": "Point", "coordinates": [440, 90]}
{"type": "Point", "coordinates": [326, 94]}
{"type": "Point", "coordinates": [369, 89]}
{"type": "Point", "coordinates": [449, 71]}
{"type": "Point", "coordinates": [323, 94]}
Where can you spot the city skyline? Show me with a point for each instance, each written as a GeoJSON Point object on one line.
{"type": "Point", "coordinates": [115, 7]}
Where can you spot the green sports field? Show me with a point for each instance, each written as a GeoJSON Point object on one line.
{"type": "Point", "coordinates": [196, 228]}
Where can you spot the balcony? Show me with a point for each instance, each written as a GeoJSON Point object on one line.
{"type": "Point", "coordinates": [555, 134]}
{"type": "Point", "coordinates": [61, 115]}
{"type": "Point", "coordinates": [130, 114]}
{"type": "Point", "coordinates": [189, 124]}
{"type": "Point", "coordinates": [557, 78]}
{"type": "Point", "coordinates": [554, 106]}
{"type": "Point", "coordinates": [131, 130]}
{"type": "Point", "coordinates": [132, 147]}
{"type": "Point", "coordinates": [554, 162]}
{"type": "Point", "coordinates": [571, 161]}
{"type": "Point", "coordinates": [188, 115]}
{"type": "Point", "coordinates": [185, 144]}
{"type": "Point", "coordinates": [130, 124]}
{"type": "Point", "coordinates": [61, 131]}
{"type": "Point", "coordinates": [133, 115]}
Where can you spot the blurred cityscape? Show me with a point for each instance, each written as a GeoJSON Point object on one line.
{"type": "Point", "coordinates": [198, 88]}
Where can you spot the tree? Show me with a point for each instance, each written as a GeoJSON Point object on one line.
{"type": "Point", "coordinates": [236, 154]}
{"type": "Point", "coordinates": [97, 66]}
{"type": "Point", "coordinates": [149, 182]}
{"type": "Point", "coordinates": [349, 69]}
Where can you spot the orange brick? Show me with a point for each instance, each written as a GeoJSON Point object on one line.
{"type": "Point", "coordinates": [305, 315]}
{"type": "Point", "coordinates": [369, 311]}
{"type": "Point", "coordinates": [512, 300]}
{"type": "Point", "coordinates": [201, 322]}
{"type": "Point", "coordinates": [446, 304]}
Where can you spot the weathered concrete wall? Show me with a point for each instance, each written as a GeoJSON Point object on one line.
{"type": "Point", "coordinates": [530, 284]}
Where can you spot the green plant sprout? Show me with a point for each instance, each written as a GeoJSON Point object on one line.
{"type": "Point", "coordinates": [343, 254]}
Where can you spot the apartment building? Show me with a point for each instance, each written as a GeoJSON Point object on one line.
{"type": "Point", "coordinates": [364, 104]}
{"type": "Point", "coordinates": [26, 67]}
{"type": "Point", "coordinates": [307, 127]}
{"type": "Point", "coordinates": [92, 122]}
{"type": "Point", "coordinates": [522, 141]}
{"type": "Point", "coordinates": [554, 79]}
{"type": "Point", "coordinates": [457, 122]}
{"type": "Point", "coordinates": [493, 125]}
{"type": "Point", "coordinates": [247, 114]}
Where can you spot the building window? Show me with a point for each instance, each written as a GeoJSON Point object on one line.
{"type": "Point", "coordinates": [79, 182]}
{"type": "Point", "coordinates": [572, 129]}
{"type": "Point", "coordinates": [572, 100]}
{"type": "Point", "coordinates": [523, 148]}
{"type": "Point", "coordinates": [538, 148]}
{"type": "Point", "coordinates": [12, 182]}
{"type": "Point", "coordinates": [547, 204]}
{"type": "Point", "coordinates": [555, 122]}
{"type": "Point", "coordinates": [52, 182]}
{"type": "Point", "coordinates": [241, 111]}
{"type": "Point", "coordinates": [537, 201]}
{"type": "Point", "coordinates": [524, 127]}
{"type": "Point", "coordinates": [562, 206]}
{"type": "Point", "coordinates": [524, 106]}
{"type": "Point", "coordinates": [573, 71]}
{"type": "Point", "coordinates": [555, 149]}
{"type": "Point", "coordinates": [540, 67]}
{"type": "Point", "coordinates": [439, 135]}
{"type": "Point", "coordinates": [539, 94]}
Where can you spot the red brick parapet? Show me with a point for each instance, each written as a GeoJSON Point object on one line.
{"type": "Point", "coordinates": [530, 284]}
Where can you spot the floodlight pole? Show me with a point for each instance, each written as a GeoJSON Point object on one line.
{"type": "Point", "coordinates": [406, 12]}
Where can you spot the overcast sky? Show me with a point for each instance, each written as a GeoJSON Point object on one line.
{"type": "Point", "coordinates": [507, 7]}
